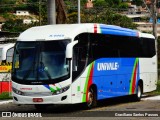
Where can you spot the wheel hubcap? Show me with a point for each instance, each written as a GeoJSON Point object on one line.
{"type": "Point", "coordinates": [139, 92]}
{"type": "Point", "coordinates": [90, 98]}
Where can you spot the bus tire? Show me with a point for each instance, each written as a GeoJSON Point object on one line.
{"type": "Point", "coordinates": [92, 98]}
{"type": "Point", "coordinates": [40, 107]}
{"type": "Point", "coordinates": [138, 94]}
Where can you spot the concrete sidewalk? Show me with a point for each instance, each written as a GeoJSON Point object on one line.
{"type": "Point", "coordinates": [5, 101]}
{"type": "Point", "coordinates": [151, 98]}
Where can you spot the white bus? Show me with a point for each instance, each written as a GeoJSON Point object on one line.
{"type": "Point", "coordinates": [82, 63]}
{"type": "Point", "coordinates": [6, 54]}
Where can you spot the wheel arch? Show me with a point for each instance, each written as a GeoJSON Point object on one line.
{"type": "Point", "coordinates": [93, 102]}
{"type": "Point", "coordinates": [94, 86]}
{"type": "Point", "coordinates": [140, 82]}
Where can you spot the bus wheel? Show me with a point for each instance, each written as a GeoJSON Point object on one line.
{"type": "Point", "coordinates": [138, 94]}
{"type": "Point", "coordinates": [40, 107]}
{"type": "Point", "coordinates": [92, 98]}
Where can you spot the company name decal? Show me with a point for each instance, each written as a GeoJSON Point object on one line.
{"type": "Point", "coordinates": [25, 88]}
{"type": "Point", "coordinates": [107, 66]}
{"type": "Point", "coordinates": [57, 35]}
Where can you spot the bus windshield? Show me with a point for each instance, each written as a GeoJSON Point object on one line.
{"type": "Point", "coordinates": [40, 60]}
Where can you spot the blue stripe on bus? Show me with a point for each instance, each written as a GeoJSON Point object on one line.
{"type": "Point", "coordinates": [116, 30]}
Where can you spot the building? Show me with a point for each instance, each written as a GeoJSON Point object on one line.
{"type": "Point", "coordinates": [26, 17]}
{"type": "Point", "coordinates": [22, 12]}
{"type": "Point", "coordinates": [29, 21]}
{"type": "Point", "coordinates": [89, 4]}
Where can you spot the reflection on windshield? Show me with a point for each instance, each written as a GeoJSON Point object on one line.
{"type": "Point", "coordinates": [40, 60]}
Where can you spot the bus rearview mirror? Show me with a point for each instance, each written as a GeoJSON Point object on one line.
{"type": "Point", "coordinates": [69, 49]}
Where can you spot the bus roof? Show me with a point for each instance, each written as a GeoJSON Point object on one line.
{"type": "Point", "coordinates": [70, 31]}
{"type": "Point", "coordinates": [146, 35]}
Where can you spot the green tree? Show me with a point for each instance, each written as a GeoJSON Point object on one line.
{"type": "Point", "coordinates": [5, 6]}
{"type": "Point", "coordinates": [16, 25]}
{"type": "Point", "coordinates": [100, 3]}
{"type": "Point", "coordinates": [113, 2]}
{"type": "Point", "coordinates": [103, 15]}
{"type": "Point", "coordinates": [137, 2]}
{"type": "Point", "coordinates": [112, 18]}
{"type": "Point", "coordinates": [7, 2]}
{"type": "Point", "coordinates": [123, 6]}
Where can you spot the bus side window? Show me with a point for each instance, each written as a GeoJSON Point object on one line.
{"type": "Point", "coordinates": [148, 47]}
{"type": "Point", "coordinates": [9, 55]}
{"type": "Point", "coordinates": [0, 55]}
{"type": "Point", "coordinates": [75, 59]}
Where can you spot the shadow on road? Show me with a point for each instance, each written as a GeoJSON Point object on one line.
{"type": "Point", "coordinates": [59, 109]}
{"type": "Point", "coordinates": [68, 110]}
{"type": "Point", "coordinates": [116, 101]}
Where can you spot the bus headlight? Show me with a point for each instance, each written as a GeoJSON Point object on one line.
{"type": "Point", "coordinates": [61, 90]}
{"type": "Point", "coordinates": [17, 91]}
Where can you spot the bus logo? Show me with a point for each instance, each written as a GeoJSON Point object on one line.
{"type": "Point", "coordinates": [107, 66]}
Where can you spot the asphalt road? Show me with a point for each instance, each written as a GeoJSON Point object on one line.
{"type": "Point", "coordinates": [117, 108]}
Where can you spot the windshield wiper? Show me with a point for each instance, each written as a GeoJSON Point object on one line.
{"type": "Point", "coordinates": [47, 73]}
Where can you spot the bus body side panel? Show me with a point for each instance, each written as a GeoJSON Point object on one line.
{"type": "Point", "coordinates": [113, 77]}
{"type": "Point", "coordinates": [148, 73]}
{"type": "Point", "coordinates": [116, 76]}
{"type": "Point", "coordinates": [79, 86]}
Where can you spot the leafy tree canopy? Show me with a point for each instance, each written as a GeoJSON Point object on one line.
{"type": "Point", "coordinates": [137, 2]}
{"type": "Point", "coordinates": [103, 15]}
{"type": "Point", "coordinates": [16, 25]}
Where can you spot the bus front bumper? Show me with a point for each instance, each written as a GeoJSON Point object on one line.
{"type": "Point", "coordinates": [62, 98]}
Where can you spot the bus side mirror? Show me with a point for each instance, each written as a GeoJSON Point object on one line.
{"type": "Point", "coordinates": [69, 49]}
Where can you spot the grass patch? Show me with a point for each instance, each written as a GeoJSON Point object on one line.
{"type": "Point", "coordinates": [157, 91]}
{"type": "Point", "coordinates": [5, 95]}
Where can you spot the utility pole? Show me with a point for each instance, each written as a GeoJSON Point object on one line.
{"type": "Point", "coordinates": [40, 12]}
{"type": "Point", "coordinates": [79, 11]}
{"type": "Point", "coordinates": [51, 8]}
{"type": "Point", "coordinates": [154, 18]}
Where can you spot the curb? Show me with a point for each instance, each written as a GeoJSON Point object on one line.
{"type": "Point", "coordinates": [151, 98]}
{"type": "Point", "coordinates": [5, 101]}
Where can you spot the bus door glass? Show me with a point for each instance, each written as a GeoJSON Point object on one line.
{"type": "Point", "coordinates": [79, 59]}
